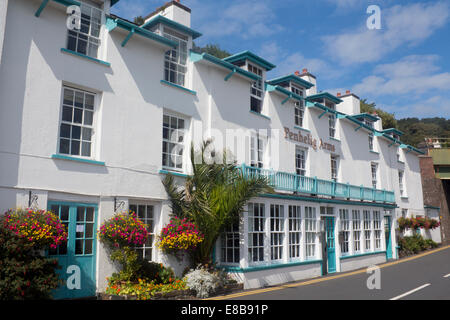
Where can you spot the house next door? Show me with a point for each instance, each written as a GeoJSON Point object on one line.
{"type": "Point", "coordinates": [76, 257]}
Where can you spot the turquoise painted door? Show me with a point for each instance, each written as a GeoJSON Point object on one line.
{"type": "Point", "coordinates": [331, 248]}
{"type": "Point", "coordinates": [77, 256]}
{"type": "Point", "coordinates": [387, 236]}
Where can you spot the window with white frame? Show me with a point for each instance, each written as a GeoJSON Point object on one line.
{"type": "Point", "coordinates": [77, 123]}
{"type": "Point", "coordinates": [86, 40]}
{"type": "Point", "coordinates": [257, 90]}
{"type": "Point", "coordinates": [256, 151]}
{"type": "Point", "coordinates": [173, 142]}
{"type": "Point", "coordinates": [332, 125]}
{"type": "Point", "coordinates": [374, 173]}
{"type": "Point", "coordinates": [175, 65]}
{"type": "Point", "coordinates": [356, 219]}
{"type": "Point", "coordinates": [377, 228]}
{"type": "Point", "coordinates": [371, 142]}
{"type": "Point", "coordinates": [230, 248]}
{"type": "Point", "coordinates": [400, 182]}
{"type": "Point", "coordinates": [310, 232]}
{"type": "Point", "coordinates": [299, 107]}
{"type": "Point", "coordinates": [276, 231]}
{"type": "Point", "coordinates": [334, 167]}
{"type": "Point", "coordinates": [256, 232]}
{"type": "Point", "coordinates": [300, 161]}
{"type": "Point", "coordinates": [404, 213]}
{"type": "Point", "coordinates": [367, 230]}
{"type": "Point", "coordinates": [294, 231]}
{"type": "Point", "coordinates": [345, 230]}
{"type": "Point", "coordinates": [145, 213]}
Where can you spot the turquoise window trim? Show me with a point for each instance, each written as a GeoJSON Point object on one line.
{"type": "Point", "coordinates": [247, 55]}
{"type": "Point", "coordinates": [362, 254]}
{"type": "Point", "coordinates": [332, 138]}
{"type": "Point", "coordinates": [170, 84]}
{"type": "Point", "coordinates": [400, 161]}
{"type": "Point", "coordinates": [70, 158]}
{"type": "Point", "coordinates": [300, 128]}
{"type": "Point", "coordinates": [64, 50]}
{"type": "Point", "coordinates": [269, 266]}
{"type": "Point", "coordinates": [292, 77]}
{"type": "Point", "coordinates": [326, 200]}
{"type": "Point", "coordinates": [260, 114]}
{"type": "Point", "coordinates": [171, 23]}
{"type": "Point", "coordinates": [174, 173]}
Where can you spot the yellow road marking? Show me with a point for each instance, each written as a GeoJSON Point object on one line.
{"type": "Point", "coordinates": [322, 279]}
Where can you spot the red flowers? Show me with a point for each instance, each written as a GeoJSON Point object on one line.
{"type": "Point", "coordinates": [417, 222]}
{"type": "Point", "coordinates": [124, 229]}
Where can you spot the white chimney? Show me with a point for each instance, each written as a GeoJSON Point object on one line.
{"type": "Point", "coordinates": [174, 11]}
{"type": "Point", "coordinates": [350, 103]}
{"type": "Point", "coordinates": [305, 75]}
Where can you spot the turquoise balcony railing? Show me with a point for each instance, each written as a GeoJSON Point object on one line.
{"type": "Point", "coordinates": [284, 181]}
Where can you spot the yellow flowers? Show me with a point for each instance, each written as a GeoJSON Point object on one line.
{"type": "Point", "coordinates": [178, 235]}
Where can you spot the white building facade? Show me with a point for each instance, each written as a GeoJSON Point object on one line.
{"type": "Point", "coordinates": [92, 119]}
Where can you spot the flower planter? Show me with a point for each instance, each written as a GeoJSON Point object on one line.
{"type": "Point", "coordinates": [174, 295]}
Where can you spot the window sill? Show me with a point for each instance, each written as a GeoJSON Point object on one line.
{"type": "Point", "coordinates": [404, 197]}
{"type": "Point", "coordinates": [375, 152]}
{"type": "Point", "coordinates": [399, 161]}
{"type": "Point", "coordinates": [259, 114]}
{"type": "Point", "coordinates": [70, 158]}
{"type": "Point", "coordinates": [361, 255]}
{"type": "Point", "coordinates": [170, 84]}
{"type": "Point", "coordinates": [67, 51]}
{"type": "Point", "coordinates": [174, 173]}
{"type": "Point", "coordinates": [300, 128]}
{"type": "Point", "coordinates": [268, 266]}
{"type": "Point", "coordinates": [335, 139]}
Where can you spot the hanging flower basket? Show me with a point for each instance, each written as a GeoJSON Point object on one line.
{"type": "Point", "coordinates": [123, 230]}
{"type": "Point", "coordinates": [179, 235]}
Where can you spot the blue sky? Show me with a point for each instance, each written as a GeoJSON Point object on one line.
{"type": "Point", "coordinates": [404, 67]}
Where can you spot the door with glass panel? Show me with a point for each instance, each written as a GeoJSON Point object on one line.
{"type": "Point", "coordinates": [330, 241]}
{"type": "Point", "coordinates": [387, 234]}
{"type": "Point", "coordinates": [76, 257]}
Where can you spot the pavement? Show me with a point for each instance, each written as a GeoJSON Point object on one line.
{"type": "Point", "coordinates": [425, 276]}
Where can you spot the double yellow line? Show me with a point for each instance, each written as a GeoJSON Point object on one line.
{"type": "Point", "coordinates": [322, 279]}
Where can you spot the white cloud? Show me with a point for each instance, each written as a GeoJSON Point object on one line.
{"type": "Point", "coordinates": [243, 20]}
{"type": "Point", "coordinates": [415, 74]}
{"type": "Point", "coordinates": [401, 25]}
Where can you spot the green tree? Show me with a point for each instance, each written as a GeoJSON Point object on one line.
{"type": "Point", "coordinates": [139, 20]}
{"type": "Point", "coordinates": [213, 198]}
{"type": "Point", "coordinates": [212, 49]}
{"type": "Point", "coordinates": [387, 118]}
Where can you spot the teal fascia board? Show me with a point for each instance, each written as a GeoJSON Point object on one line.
{"type": "Point", "coordinates": [292, 77]}
{"type": "Point", "coordinates": [288, 93]}
{"type": "Point", "coordinates": [247, 55]}
{"type": "Point", "coordinates": [112, 23]}
{"type": "Point", "coordinates": [177, 174]}
{"type": "Point", "coordinates": [398, 132]}
{"type": "Point", "coordinates": [86, 57]}
{"type": "Point", "coordinates": [325, 95]}
{"type": "Point", "coordinates": [328, 200]}
{"type": "Point", "coordinates": [170, 23]}
{"type": "Point", "coordinates": [195, 57]}
{"type": "Point", "coordinates": [378, 134]}
{"type": "Point", "coordinates": [432, 207]}
{"type": "Point", "coordinates": [341, 115]}
{"type": "Point", "coordinates": [63, 2]}
{"type": "Point", "coordinates": [367, 116]}
{"type": "Point", "coordinates": [64, 157]}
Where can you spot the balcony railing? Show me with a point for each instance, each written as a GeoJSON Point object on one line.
{"type": "Point", "coordinates": [284, 181]}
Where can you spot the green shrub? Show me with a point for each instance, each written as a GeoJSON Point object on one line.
{"type": "Point", "coordinates": [415, 244]}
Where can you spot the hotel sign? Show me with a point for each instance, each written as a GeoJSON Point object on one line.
{"type": "Point", "coordinates": [308, 139]}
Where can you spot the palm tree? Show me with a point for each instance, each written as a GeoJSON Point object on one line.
{"type": "Point", "coordinates": [213, 198]}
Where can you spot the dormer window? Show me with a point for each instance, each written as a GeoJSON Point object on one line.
{"type": "Point", "coordinates": [175, 59]}
{"type": "Point", "coordinates": [256, 91]}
